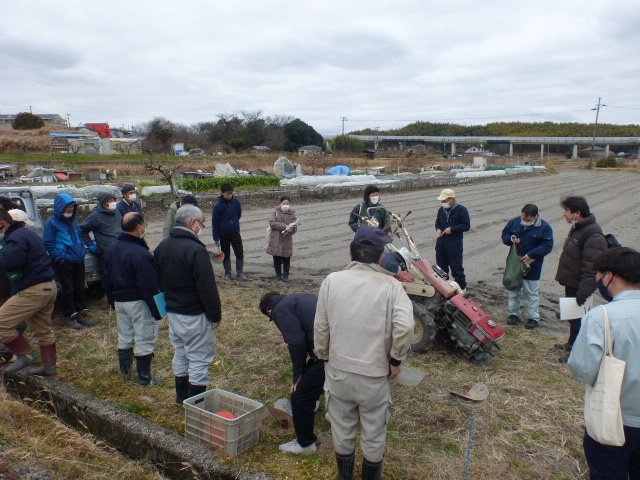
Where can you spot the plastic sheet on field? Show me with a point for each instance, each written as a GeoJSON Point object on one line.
{"type": "Point", "coordinates": [92, 191]}
{"type": "Point", "coordinates": [333, 181]}
{"type": "Point", "coordinates": [42, 192]}
{"type": "Point", "coordinates": [490, 173]}
{"type": "Point", "coordinates": [156, 189]}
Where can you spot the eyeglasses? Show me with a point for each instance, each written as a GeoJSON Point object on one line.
{"type": "Point", "coordinates": [202, 225]}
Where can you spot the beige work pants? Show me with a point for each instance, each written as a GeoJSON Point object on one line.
{"type": "Point", "coordinates": [33, 306]}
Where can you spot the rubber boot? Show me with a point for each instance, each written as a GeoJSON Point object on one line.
{"type": "Point", "coordinates": [84, 319]}
{"type": "Point", "coordinates": [285, 277]}
{"type": "Point", "coordinates": [196, 389]}
{"type": "Point", "coordinates": [278, 268]}
{"type": "Point", "coordinates": [371, 470]}
{"type": "Point", "coordinates": [182, 389]}
{"type": "Point", "coordinates": [125, 356]}
{"type": "Point", "coordinates": [346, 465]}
{"type": "Point", "coordinates": [226, 263]}
{"type": "Point", "coordinates": [48, 368]}
{"type": "Point", "coordinates": [143, 365]}
{"type": "Point", "coordinates": [21, 349]}
{"type": "Point", "coordinates": [239, 267]}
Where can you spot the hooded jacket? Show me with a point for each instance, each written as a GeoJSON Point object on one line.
{"type": "Point", "coordinates": [62, 236]}
{"type": "Point", "coordinates": [170, 219]}
{"type": "Point", "coordinates": [535, 241]}
{"type": "Point", "coordinates": [130, 272]}
{"type": "Point", "coordinates": [23, 251]}
{"type": "Point", "coordinates": [105, 224]}
{"type": "Point", "coordinates": [226, 217]}
{"type": "Point", "coordinates": [578, 254]}
{"type": "Point", "coordinates": [281, 245]}
{"type": "Point", "coordinates": [185, 275]}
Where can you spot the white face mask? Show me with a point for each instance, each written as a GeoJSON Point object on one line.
{"type": "Point", "coordinates": [285, 207]}
{"type": "Point", "coordinates": [111, 206]}
{"type": "Point", "coordinates": [374, 200]}
{"type": "Point", "coordinates": [445, 205]}
{"type": "Point", "coordinates": [132, 197]}
{"type": "Point", "coordinates": [526, 224]}
{"type": "Point", "coordinates": [67, 215]}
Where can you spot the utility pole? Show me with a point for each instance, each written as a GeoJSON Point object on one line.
{"type": "Point", "coordinates": [595, 126]}
{"type": "Point", "coordinates": [344, 119]}
{"type": "Point", "coordinates": [68, 121]}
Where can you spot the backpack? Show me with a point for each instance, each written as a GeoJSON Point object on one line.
{"type": "Point", "coordinates": [612, 241]}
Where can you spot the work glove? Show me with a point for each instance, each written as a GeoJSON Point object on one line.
{"type": "Point", "coordinates": [581, 299]}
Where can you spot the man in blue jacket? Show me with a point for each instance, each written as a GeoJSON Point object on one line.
{"type": "Point", "coordinates": [451, 223]}
{"type": "Point", "coordinates": [534, 239]}
{"type": "Point", "coordinates": [294, 316]}
{"type": "Point", "coordinates": [63, 241]}
{"type": "Point", "coordinates": [225, 226]}
{"type": "Point", "coordinates": [24, 259]}
{"type": "Point", "coordinates": [128, 203]}
{"type": "Point", "coordinates": [130, 282]}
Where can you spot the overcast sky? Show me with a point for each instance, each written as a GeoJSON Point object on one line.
{"type": "Point", "coordinates": [378, 63]}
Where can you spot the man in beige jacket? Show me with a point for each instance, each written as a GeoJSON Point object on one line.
{"type": "Point", "coordinates": [363, 330]}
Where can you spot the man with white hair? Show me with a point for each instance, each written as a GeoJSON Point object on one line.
{"type": "Point", "coordinates": [185, 275]}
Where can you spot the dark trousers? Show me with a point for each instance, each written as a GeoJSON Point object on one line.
{"type": "Point", "coordinates": [232, 240]}
{"type": "Point", "coordinates": [614, 463]}
{"type": "Point", "coordinates": [574, 325]}
{"type": "Point", "coordinates": [279, 263]}
{"type": "Point", "coordinates": [449, 255]}
{"type": "Point", "coordinates": [303, 402]}
{"type": "Point", "coordinates": [73, 284]}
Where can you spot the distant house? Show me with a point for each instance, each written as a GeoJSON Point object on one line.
{"type": "Point", "coordinates": [598, 152]}
{"type": "Point", "coordinates": [102, 129]}
{"type": "Point", "coordinates": [260, 149]}
{"type": "Point", "coordinates": [310, 150]}
{"type": "Point", "coordinates": [370, 154]}
{"type": "Point", "coordinates": [50, 119]}
{"type": "Point", "coordinates": [474, 150]}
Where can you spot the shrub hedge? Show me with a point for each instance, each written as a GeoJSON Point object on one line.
{"type": "Point", "coordinates": [213, 184]}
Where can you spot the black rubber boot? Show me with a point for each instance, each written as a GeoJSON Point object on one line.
{"type": "Point", "coordinates": [182, 389]}
{"type": "Point", "coordinates": [48, 368]}
{"type": "Point", "coordinates": [371, 470]}
{"type": "Point", "coordinates": [125, 356]}
{"type": "Point", "coordinates": [285, 277]}
{"type": "Point", "coordinates": [196, 389]}
{"type": "Point", "coordinates": [278, 268]}
{"type": "Point", "coordinates": [143, 365]}
{"type": "Point", "coordinates": [226, 263]}
{"type": "Point", "coordinates": [239, 270]}
{"type": "Point", "coordinates": [346, 465]}
{"type": "Point", "coordinates": [21, 348]}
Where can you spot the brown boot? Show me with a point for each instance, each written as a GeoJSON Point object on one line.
{"type": "Point", "coordinates": [48, 368]}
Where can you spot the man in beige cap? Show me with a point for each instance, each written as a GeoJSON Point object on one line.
{"type": "Point", "coordinates": [451, 223]}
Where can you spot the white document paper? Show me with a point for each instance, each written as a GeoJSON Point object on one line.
{"type": "Point", "coordinates": [569, 308]}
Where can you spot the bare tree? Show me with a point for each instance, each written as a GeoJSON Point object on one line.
{"type": "Point", "coordinates": [165, 168]}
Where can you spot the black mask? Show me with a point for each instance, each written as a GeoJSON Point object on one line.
{"type": "Point", "coordinates": [604, 291]}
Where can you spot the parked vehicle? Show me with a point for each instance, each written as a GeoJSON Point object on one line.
{"type": "Point", "coordinates": [24, 198]}
{"type": "Point", "coordinates": [442, 313]}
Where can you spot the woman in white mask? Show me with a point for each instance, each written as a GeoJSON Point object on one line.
{"type": "Point", "coordinates": [371, 198]}
{"type": "Point", "coordinates": [282, 225]}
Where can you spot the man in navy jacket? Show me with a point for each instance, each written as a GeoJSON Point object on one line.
{"type": "Point", "coordinates": [25, 261]}
{"type": "Point", "coordinates": [294, 316]}
{"type": "Point", "coordinates": [534, 239]}
{"type": "Point", "coordinates": [128, 203]}
{"type": "Point", "coordinates": [225, 226]}
{"type": "Point", "coordinates": [451, 223]}
{"type": "Point", "coordinates": [130, 282]}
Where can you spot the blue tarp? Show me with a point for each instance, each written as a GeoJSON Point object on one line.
{"type": "Point", "coordinates": [339, 170]}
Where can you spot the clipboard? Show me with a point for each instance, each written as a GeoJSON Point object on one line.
{"type": "Point", "coordinates": [161, 303]}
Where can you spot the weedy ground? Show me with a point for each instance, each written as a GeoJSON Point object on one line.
{"type": "Point", "coordinates": [530, 427]}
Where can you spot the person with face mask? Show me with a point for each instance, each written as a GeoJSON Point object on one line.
{"type": "Point", "coordinates": [130, 282]}
{"type": "Point", "coordinates": [128, 203]}
{"type": "Point", "coordinates": [105, 222]}
{"type": "Point", "coordinates": [534, 241]}
{"type": "Point", "coordinates": [371, 198]}
{"type": "Point", "coordinates": [280, 244]}
{"type": "Point", "coordinates": [583, 244]}
{"type": "Point", "coordinates": [63, 241]}
{"type": "Point", "coordinates": [185, 275]}
{"type": "Point", "coordinates": [452, 220]}
{"type": "Point", "coordinates": [617, 274]}
{"type": "Point", "coordinates": [225, 228]}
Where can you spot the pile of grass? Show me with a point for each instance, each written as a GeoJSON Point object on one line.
{"type": "Point", "coordinates": [530, 427]}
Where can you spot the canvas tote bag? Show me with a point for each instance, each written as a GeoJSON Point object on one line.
{"type": "Point", "coordinates": [602, 412]}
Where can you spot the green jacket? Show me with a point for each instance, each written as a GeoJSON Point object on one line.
{"type": "Point", "coordinates": [360, 210]}
{"type": "Point", "coordinates": [170, 219]}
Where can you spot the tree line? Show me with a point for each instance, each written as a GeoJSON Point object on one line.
{"type": "Point", "coordinates": [231, 132]}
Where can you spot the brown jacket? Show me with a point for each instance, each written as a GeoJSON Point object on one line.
{"type": "Point", "coordinates": [281, 245]}
{"type": "Point", "coordinates": [574, 267]}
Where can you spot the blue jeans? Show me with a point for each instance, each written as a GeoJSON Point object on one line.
{"type": "Point", "coordinates": [614, 463]}
{"type": "Point", "coordinates": [531, 291]}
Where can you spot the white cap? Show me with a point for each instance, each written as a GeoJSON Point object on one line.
{"type": "Point", "coordinates": [20, 216]}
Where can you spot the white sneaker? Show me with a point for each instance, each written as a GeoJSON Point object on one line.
{"type": "Point", "coordinates": [294, 447]}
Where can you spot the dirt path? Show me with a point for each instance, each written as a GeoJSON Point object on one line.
{"type": "Point", "coordinates": [321, 245]}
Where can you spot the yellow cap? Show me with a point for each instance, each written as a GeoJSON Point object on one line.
{"type": "Point", "coordinates": [446, 193]}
